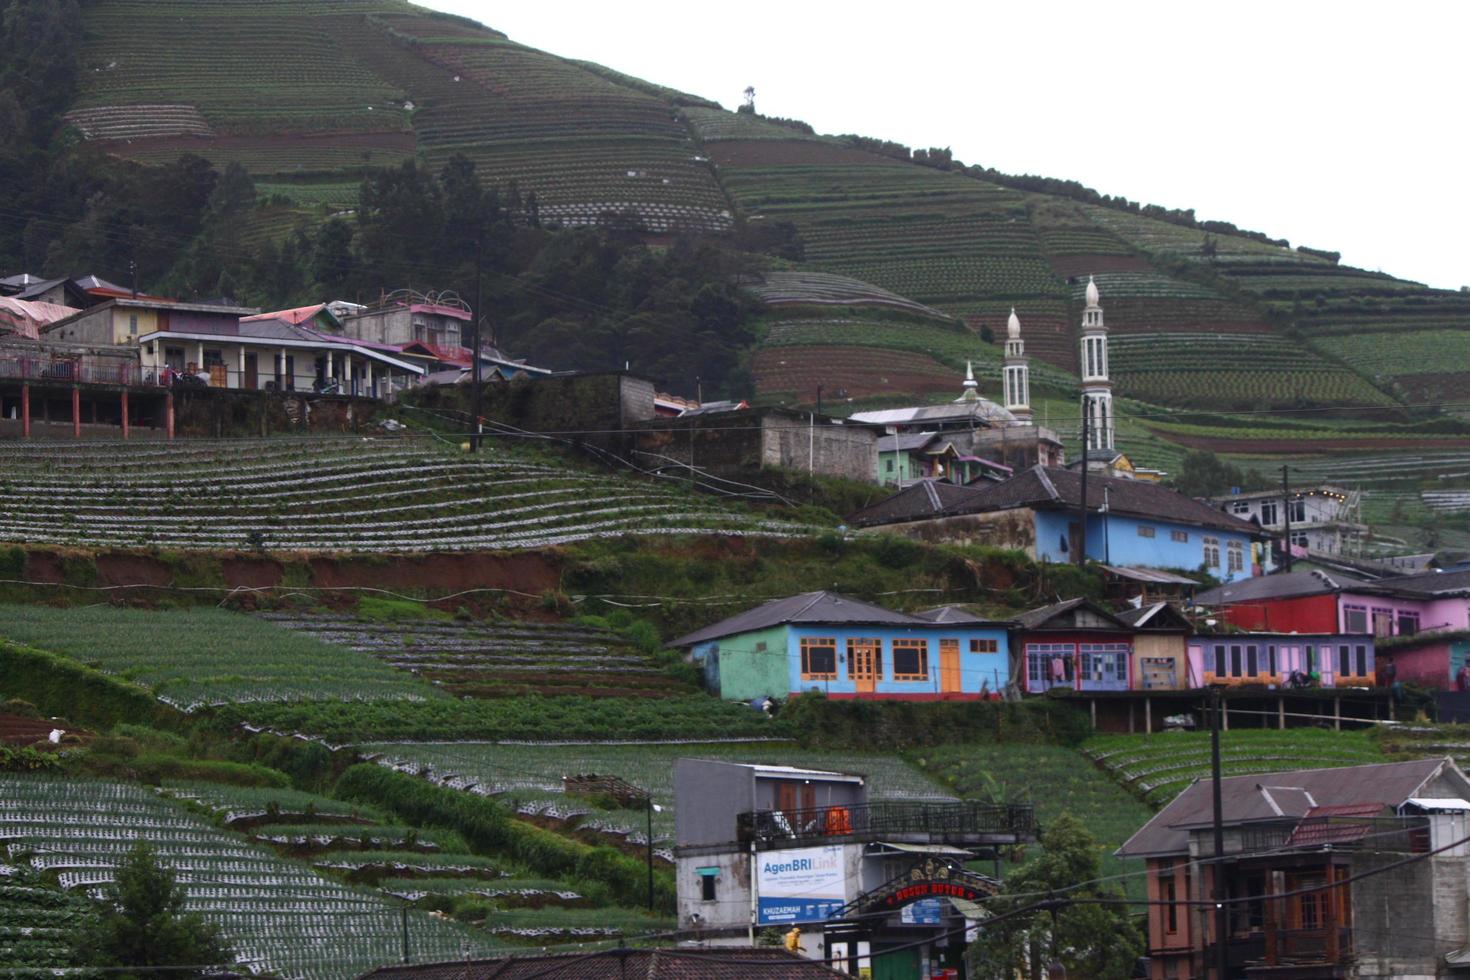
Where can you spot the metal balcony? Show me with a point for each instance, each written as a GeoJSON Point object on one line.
{"type": "Point", "coordinates": [910, 821]}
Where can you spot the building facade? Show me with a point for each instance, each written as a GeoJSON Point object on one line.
{"type": "Point", "coordinates": [1324, 519]}
{"type": "Point", "coordinates": [845, 648]}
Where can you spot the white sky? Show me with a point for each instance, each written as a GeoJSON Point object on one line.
{"type": "Point", "coordinates": [1336, 125]}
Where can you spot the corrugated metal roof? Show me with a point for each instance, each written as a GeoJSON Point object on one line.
{"type": "Point", "coordinates": [1147, 575]}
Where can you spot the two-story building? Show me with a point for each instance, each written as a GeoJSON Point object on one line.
{"type": "Point", "coordinates": [1129, 523]}
{"type": "Point", "coordinates": [1323, 519]}
{"type": "Point", "coordinates": [403, 316]}
{"type": "Point", "coordinates": [128, 319]}
{"type": "Point", "coordinates": [1073, 645]}
{"type": "Point", "coordinates": [878, 886]}
{"type": "Point", "coordinates": [1355, 872]}
{"type": "Point", "coordinates": [847, 648]}
{"type": "Point", "coordinates": [1283, 659]}
{"type": "Point", "coordinates": [908, 457]}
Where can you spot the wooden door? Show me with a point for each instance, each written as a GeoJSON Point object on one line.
{"type": "Point", "coordinates": [949, 666]}
{"type": "Point", "coordinates": [252, 372]}
{"type": "Point", "coordinates": [863, 661]}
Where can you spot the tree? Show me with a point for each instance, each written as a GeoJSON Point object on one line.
{"type": "Point", "coordinates": [1203, 474]}
{"type": "Point", "coordinates": [146, 926]}
{"type": "Point", "coordinates": [1089, 938]}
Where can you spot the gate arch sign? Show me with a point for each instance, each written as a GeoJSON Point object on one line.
{"type": "Point", "coordinates": [934, 878]}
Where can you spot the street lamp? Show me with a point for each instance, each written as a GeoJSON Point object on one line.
{"type": "Point", "coordinates": [652, 806]}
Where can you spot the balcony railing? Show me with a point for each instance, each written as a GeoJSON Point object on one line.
{"type": "Point", "coordinates": [84, 369]}
{"type": "Point", "coordinates": [1407, 835]}
{"type": "Point", "coordinates": [894, 818]}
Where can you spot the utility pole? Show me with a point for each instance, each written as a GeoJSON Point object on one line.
{"type": "Point", "coordinates": [403, 911]}
{"type": "Point", "coordinates": [1082, 525]}
{"type": "Point", "coordinates": [1222, 964]}
{"type": "Point", "coordinates": [1286, 521]}
{"type": "Point", "coordinates": [475, 393]}
{"type": "Point", "coordinates": [649, 801]}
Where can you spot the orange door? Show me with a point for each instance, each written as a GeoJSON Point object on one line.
{"type": "Point", "coordinates": [862, 665]}
{"type": "Point", "coordinates": [949, 666]}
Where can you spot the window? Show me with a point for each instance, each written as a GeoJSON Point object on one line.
{"type": "Point", "coordinates": [213, 356]}
{"type": "Point", "coordinates": [1234, 556]}
{"type": "Point", "coordinates": [984, 646]}
{"type": "Point", "coordinates": [133, 325]}
{"type": "Point", "coordinates": [1383, 622]}
{"type": "Point", "coordinates": [1408, 622]}
{"type": "Point", "coordinates": [1144, 531]}
{"type": "Point", "coordinates": [1270, 515]}
{"type": "Point", "coordinates": [1299, 538]}
{"type": "Point", "coordinates": [1299, 511]}
{"type": "Point", "coordinates": [1252, 661]}
{"type": "Point", "coordinates": [1354, 619]}
{"type": "Point", "coordinates": [818, 658]}
{"type": "Point", "coordinates": [864, 658]}
{"type": "Point", "coordinates": [1241, 507]}
{"type": "Point", "coordinates": [1105, 663]}
{"type": "Point", "coordinates": [1181, 536]}
{"type": "Point", "coordinates": [1344, 660]}
{"type": "Point", "coordinates": [1309, 664]}
{"type": "Point", "coordinates": [1048, 664]}
{"type": "Point", "coordinates": [1362, 661]}
{"type": "Point", "coordinates": [889, 464]}
{"type": "Point", "coordinates": [1169, 895]}
{"type": "Point", "coordinates": [1212, 552]}
{"type": "Point", "coordinates": [1219, 670]}
{"type": "Point", "coordinates": [707, 882]}
{"type": "Point", "coordinates": [1271, 660]}
{"type": "Point", "coordinates": [1234, 661]}
{"type": "Point", "coordinates": [911, 660]}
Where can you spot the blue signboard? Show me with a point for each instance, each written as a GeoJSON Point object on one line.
{"type": "Point", "coordinates": [779, 911]}
{"type": "Point", "coordinates": [924, 912]}
{"type": "Point", "coordinates": [799, 885]}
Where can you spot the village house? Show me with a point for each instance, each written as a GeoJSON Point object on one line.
{"type": "Point", "coordinates": [293, 350]}
{"type": "Point", "coordinates": [1160, 647]}
{"type": "Point", "coordinates": [80, 292]}
{"type": "Point", "coordinates": [908, 457]}
{"type": "Point", "coordinates": [846, 648]}
{"type": "Point", "coordinates": [1075, 645]}
{"type": "Point", "coordinates": [403, 316]}
{"type": "Point", "coordinates": [761, 846]}
{"type": "Point", "coordinates": [1131, 523]}
{"type": "Point", "coordinates": [127, 319]}
{"type": "Point", "coordinates": [1324, 519]}
{"type": "Point", "coordinates": [1296, 844]}
{"type": "Point", "coordinates": [1283, 659]}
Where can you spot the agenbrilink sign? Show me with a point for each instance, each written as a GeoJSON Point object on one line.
{"type": "Point", "coordinates": [801, 885]}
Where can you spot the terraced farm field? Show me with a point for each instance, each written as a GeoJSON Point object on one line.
{"type": "Point", "coordinates": [530, 776]}
{"type": "Point", "coordinates": [332, 494]}
{"type": "Point", "coordinates": [500, 659]}
{"type": "Point", "coordinates": [195, 658]}
{"type": "Point", "coordinates": [38, 921]}
{"type": "Point", "coordinates": [779, 288]}
{"type": "Point", "coordinates": [276, 914]}
{"type": "Point", "coordinates": [1158, 767]}
{"type": "Point", "coordinates": [793, 373]}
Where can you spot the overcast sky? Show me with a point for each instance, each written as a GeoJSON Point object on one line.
{"type": "Point", "coordinates": [1336, 125]}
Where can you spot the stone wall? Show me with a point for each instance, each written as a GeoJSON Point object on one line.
{"type": "Point", "coordinates": [740, 444]}
{"type": "Point", "coordinates": [1405, 920]}
{"type": "Point", "coordinates": [1013, 529]}
{"type": "Point", "coordinates": [591, 408]}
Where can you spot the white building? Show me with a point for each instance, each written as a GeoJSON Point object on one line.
{"type": "Point", "coordinates": [1324, 519]}
{"type": "Point", "coordinates": [1016, 371]}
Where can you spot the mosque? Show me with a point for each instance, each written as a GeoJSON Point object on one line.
{"type": "Point", "coordinates": [973, 438]}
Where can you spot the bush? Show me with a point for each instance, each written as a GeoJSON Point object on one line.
{"type": "Point", "coordinates": [813, 720]}
{"type": "Point", "coordinates": [61, 687]}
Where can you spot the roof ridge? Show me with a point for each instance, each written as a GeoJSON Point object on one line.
{"type": "Point", "coordinates": [1047, 484]}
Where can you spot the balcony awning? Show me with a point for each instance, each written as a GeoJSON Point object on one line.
{"type": "Point", "coordinates": [945, 849]}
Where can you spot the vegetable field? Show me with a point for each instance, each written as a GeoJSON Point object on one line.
{"type": "Point", "coordinates": [530, 775]}
{"type": "Point", "coordinates": [333, 494]}
{"type": "Point", "coordinates": [200, 657]}
{"type": "Point", "coordinates": [277, 914]}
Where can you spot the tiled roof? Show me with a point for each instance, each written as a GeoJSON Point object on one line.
{"type": "Point", "coordinates": [701, 963]}
{"type": "Point", "coordinates": [955, 615]}
{"type": "Point", "coordinates": [905, 442]}
{"type": "Point", "coordinates": [1265, 797]}
{"type": "Point", "coordinates": [1056, 488]}
{"type": "Point", "coordinates": [1158, 617]}
{"type": "Point", "coordinates": [921, 500]}
{"type": "Point", "coordinates": [1282, 585]}
{"type": "Point", "coordinates": [1038, 618]}
{"type": "Point", "coordinates": [807, 607]}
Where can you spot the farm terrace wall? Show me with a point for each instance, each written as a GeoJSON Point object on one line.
{"type": "Point", "coordinates": [217, 412]}
{"type": "Point", "coordinates": [590, 407]}
{"type": "Point", "coordinates": [1012, 529]}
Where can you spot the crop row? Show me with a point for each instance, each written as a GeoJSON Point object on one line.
{"type": "Point", "coordinates": [274, 913]}
{"type": "Point", "coordinates": [1390, 354]}
{"type": "Point", "coordinates": [785, 288]}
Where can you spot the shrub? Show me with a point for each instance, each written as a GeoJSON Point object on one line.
{"type": "Point", "coordinates": [62, 687]}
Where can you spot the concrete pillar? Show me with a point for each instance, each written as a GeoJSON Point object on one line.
{"type": "Point", "coordinates": [1281, 712]}
{"type": "Point", "coordinates": [1092, 707]}
{"type": "Point", "coordinates": [76, 412]}
{"type": "Point", "coordinates": [168, 414]}
{"type": "Point", "coordinates": [347, 386]}
{"type": "Point", "coordinates": [282, 372]}
{"type": "Point", "coordinates": [369, 377]}
{"type": "Point", "coordinates": [199, 356]}
{"type": "Point", "coordinates": [25, 410]}
{"type": "Point", "coordinates": [125, 412]}
{"type": "Point", "coordinates": [240, 369]}
{"type": "Point", "coordinates": [1148, 716]}
{"type": "Point", "coordinates": [1131, 726]}
{"type": "Point", "coordinates": [1337, 713]}
{"type": "Point", "coordinates": [1224, 714]}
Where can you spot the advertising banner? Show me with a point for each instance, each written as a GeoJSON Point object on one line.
{"type": "Point", "coordinates": [800, 885]}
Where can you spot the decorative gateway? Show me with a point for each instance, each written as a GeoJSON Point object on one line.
{"type": "Point", "coordinates": [933, 878]}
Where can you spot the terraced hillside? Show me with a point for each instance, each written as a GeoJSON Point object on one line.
{"type": "Point", "coordinates": [277, 914]}
{"type": "Point", "coordinates": [332, 494]}
{"type": "Point", "coordinates": [502, 659]}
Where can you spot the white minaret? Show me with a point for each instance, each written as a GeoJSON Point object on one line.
{"type": "Point", "coordinates": [1097, 390]}
{"type": "Point", "coordinates": [1017, 371]}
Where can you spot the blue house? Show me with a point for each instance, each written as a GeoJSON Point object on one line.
{"type": "Point", "coordinates": [1129, 523]}
{"type": "Point", "coordinates": [846, 648]}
